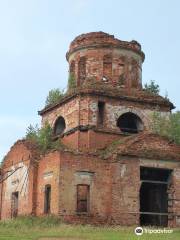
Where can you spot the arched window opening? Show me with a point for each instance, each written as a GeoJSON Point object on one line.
{"type": "Point", "coordinates": [60, 126]}
{"type": "Point", "coordinates": [82, 70]}
{"type": "Point", "coordinates": [107, 67]}
{"type": "Point", "coordinates": [130, 123]}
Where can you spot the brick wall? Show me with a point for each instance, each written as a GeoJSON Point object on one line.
{"type": "Point", "coordinates": [125, 191]}
{"type": "Point", "coordinates": [20, 181]}
{"type": "Point", "coordinates": [48, 174]}
{"type": "Point", "coordinates": [84, 169]}
{"type": "Point", "coordinates": [118, 61]}
{"type": "Point", "coordinates": [83, 111]}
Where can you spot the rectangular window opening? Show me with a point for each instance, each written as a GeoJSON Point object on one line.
{"type": "Point", "coordinates": [47, 199]}
{"type": "Point", "coordinates": [81, 70]}
{"type": "Point", "coordinates": [107, 67]}
{"type": "Point", "coordinates": [82, 198]}
{"type": "Point", "coordinates": [101, 108]}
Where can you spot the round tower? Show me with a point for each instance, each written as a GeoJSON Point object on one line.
{"type": "Point", "coordinates": [98, 57]}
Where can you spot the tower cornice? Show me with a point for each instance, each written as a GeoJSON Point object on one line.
{"type": "Point", "coordinates": [121, 94]}
{"type": "Point", "coordinates": [95, 40]}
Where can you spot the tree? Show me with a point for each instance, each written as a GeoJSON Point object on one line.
{"type": "Point", "coordinates": [54, 96]}
{"type": "Point", "coordinates": [42, 137]}
{"type": "Point", "coordinates": [32, 132]}
{"type": "Point", "coordinates": [167, 126]}
{"type": "Point", "coordinates": [152, 87]}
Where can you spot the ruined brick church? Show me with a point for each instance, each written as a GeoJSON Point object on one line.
{"type": "Point", "coordinates": [112, 168]}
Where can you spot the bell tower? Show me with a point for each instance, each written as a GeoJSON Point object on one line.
{"type": "Point", "coordinates": [105, 100]}
{"type": "Point", "coordinates": [101, 58]}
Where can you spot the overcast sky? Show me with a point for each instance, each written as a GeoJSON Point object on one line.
{"type": "Point", "coordinates": [35, 35]}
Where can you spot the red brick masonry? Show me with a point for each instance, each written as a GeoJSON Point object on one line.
{"type": "Point", "coordinates": [97, 153]}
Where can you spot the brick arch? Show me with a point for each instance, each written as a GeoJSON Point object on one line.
{"type": "Point", "coordinates": [59, 120]}
{"type": "Point", "coordinates": [136, 112]}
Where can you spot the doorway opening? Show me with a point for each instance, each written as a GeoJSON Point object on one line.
{"type": "Point", "coordinates": [47, 199]}
{"type": "Point", "coordinates": [14, 204]}
{"type": "Point", "coordinates": [82, 198]}
{"type": "Point", "coordinates": [154, 196]}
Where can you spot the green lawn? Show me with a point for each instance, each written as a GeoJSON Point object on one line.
{"type": "Point", "coordinates": [35, 228]}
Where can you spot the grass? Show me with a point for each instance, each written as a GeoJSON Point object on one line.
{"type": "Point", "coordinates": [26, 228]}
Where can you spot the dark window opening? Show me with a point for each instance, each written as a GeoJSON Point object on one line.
{"type": "Point", "coordinates": [14, 204]}
{"type": "Point", "coordinates": [82, 198]}
{"type": "Point", "coordinates": [156, 174]}
{"type": "Point", "coordinates": [60, 126]}
{"type": "Point", "coordinates": [107, 67]}
{"type": "Point", "coordinates": [154, 196]}
{"type": "Point", "coordinates": [121, 79]}
{"type": "Point", "coordinates": [130, 123]}
{"type": "Point", "coordinates": [101, 107]}
{"type": "Point", "coordinates": [81, 70]}
{"type": "Point", "coordinates": [47, 199]}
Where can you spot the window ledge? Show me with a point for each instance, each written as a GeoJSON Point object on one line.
{"type": "Point", "coordinates": [82, 213]}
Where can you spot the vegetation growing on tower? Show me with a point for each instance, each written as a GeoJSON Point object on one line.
{"type": "Point", "coordinates": [54, 96]}
{"type": "Point", "coordinates": [152, 87]}
{"type": "Point", "coordinates": [43, 137]}
{"type": "Point", "coordinates": [71, 81]}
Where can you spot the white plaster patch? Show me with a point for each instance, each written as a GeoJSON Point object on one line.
{"type": "Point", "coordinates": [18, 181]}
{"type": "Point", "coordinates": [93, 106]}
{"type": "Point", "coordinates": [123, 170]}
{"type": "Point", "coordinates": [83, 177]}
{"type": "Point", "coordinates": [177, 173]}
{"type": "Point", "coordinates": [48, 175]}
